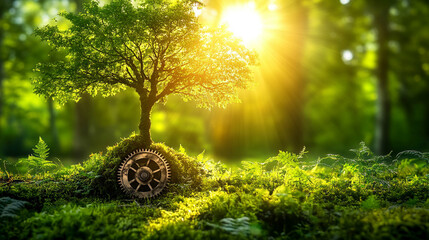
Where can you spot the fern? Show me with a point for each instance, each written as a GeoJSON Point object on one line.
{"type": "Point", "coordinates": [371, 203]}
{"type": "Point", "coordinates": [412, 154]}
{"type": "Point", "coordinates": [41, 150]}
{"type": "Point", "coordinates": [234, 226]}
{"type": "Point", "coordinates": [38, 162]}
{"type": "Point", "coordinates": [9, 207]}
{"type": "Point", "coordinates": [363, 152]}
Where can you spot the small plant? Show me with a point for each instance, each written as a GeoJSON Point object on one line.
{"type": "Point", "coordinates": [38, 162]}
{"type": "Point", "coordinates": [4, 174]}
{"type": "Point", "coordinates": [371, 203]}
{"type": "Point", "coordinates": [234, 226]}
{"type": "Point", "coordinates": [9, 207]}
{"type": "Point", "coordinates": [363, 152]}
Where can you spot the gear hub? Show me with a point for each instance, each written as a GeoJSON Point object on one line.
{"type": "Point", "coordinates": [144, 174]}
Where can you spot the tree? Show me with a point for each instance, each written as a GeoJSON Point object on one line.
{"type": "Point", "coordinates": [289, 93]}
{"type": "Point", "coordinates": [4, 7]}
{"type": "Point", "coordinates": [156, 47]}
{"type": "Point", "coordinates": [82, 120]}
{"type": "Point", "coordinates": [409, 64]}
{"type": "Point", "coordinates": [381, 24]}
{"type": "Point", "coordinates": [20, 51]}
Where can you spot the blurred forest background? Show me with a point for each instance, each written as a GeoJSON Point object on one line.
{"type": "Point", "coordinates": [332, 73]}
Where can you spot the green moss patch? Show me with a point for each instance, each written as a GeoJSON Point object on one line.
{"type": "Point", "coordinates": [184, 169]}
{"type": "Point", "coordinates": [283, 197]}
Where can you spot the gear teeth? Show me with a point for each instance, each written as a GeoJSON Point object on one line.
{"type": "Point", "coordinates": [143, 194]}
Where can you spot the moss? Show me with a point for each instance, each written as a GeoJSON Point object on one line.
{"type": "Point", "coordinates": [97, 176]}
{"type": "Point", "coordinates": [281, 198]}
{"type": "Point", "coordinates": [184, 169]}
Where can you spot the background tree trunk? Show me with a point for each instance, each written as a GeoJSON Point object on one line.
{"type": "Point", "coordinates": [289, 91]}
{"type": "Point", "coordinates": [298, 103]}
{"type": "Point", "coordinates": [1, 77]}
{"type": "Point", "coordinates": [5, 5]}
{"type": "Point", "coordinates": [82, 126]}
{"type": "Point", "coordinates": [53, 127]}
{"type": "Point", "coordinates": [381, 24]}
{"type": "Point", "coordinates": [83, 116]}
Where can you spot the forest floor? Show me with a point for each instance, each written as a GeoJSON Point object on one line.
{"type": "Point", "coordinates": [284, 197]}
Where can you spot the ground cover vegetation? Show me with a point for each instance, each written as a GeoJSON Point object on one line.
{"type": "Point", "coordinates": [288, 196]}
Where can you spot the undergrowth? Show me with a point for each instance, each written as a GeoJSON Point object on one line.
{"type": "Point", "coordinates": [283, 197]}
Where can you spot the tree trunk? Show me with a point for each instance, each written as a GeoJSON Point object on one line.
{"type": "Point", "coordinates": [4, 7]}
{"type": "Point", "coordinates": [426, 126]}
{"type": "Point", "coordinates": [289, 91]}
{"type": "Point", "coordinates": [82, 126]}
{"type": "Point", "coordinates": [1, 79]}
{"type": "Point", "coordinates": [53, 126]}
{"type": "Point", "coordinates": [298, 103]}
{"type": "Point", "coordinates": [144, 125]}
{"type": "Point", "coordinates": [381, 23]}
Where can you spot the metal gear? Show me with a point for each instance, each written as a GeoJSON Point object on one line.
{"type": "Point", "coordinates": [144, 174]}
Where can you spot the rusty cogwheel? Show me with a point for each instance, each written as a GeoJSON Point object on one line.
{"type": "Point", "coordinates": [144, 174]}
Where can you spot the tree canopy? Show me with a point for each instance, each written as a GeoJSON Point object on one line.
{"type": "Point", "coordinates": [157, 47]}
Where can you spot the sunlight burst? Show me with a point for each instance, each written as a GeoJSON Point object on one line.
{"type": "Point", "coordinates": [244, 21]}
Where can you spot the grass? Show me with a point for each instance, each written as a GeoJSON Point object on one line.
{"type": "Point", "coordinates": [284, 197]}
